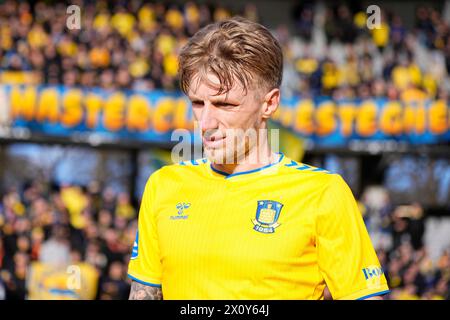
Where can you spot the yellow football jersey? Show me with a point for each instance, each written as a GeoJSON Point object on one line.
{"type": "Point", "coordinates": [283, 231]}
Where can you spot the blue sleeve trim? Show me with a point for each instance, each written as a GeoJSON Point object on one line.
{"type": "Point", "coordinates": [374, 294]}
{"type": "Point", "coordinates": [143, 282]}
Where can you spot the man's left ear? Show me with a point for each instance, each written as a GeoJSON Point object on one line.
{"type": "Point", "coordinates": [271, 102]}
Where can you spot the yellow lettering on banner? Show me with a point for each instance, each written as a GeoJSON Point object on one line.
{"type": "Point", "coordinates": [93, 105]}
{"type": "Point", "coordinates": [304, 117]}
{"type": "Point", "coordinates": [325, 117]}
{"type": "Point", "coordinates": [366, 119]}
{"type": "Point", "coordinates": [138, 114]}
{"type": "Point", "coordinates": [73, 112]}
{"type": "Point", "coordinates": [163, 114]}
{"type": "Point", "coordinates": [347, 115]}
{"type": "Point", "coordinates": [47, 109]}
{"type": "Point", "coordinates": [391, 118]}
{"type": "Point", "coordinates": [23, 102]}
{"type": "Point", "coordinates": [438, 117]}
{"type": "Point", "coordinates": [180, 118]}
{"type": "Point", "coordinates": [113, 113]}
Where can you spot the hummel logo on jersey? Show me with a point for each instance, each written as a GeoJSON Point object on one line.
{"type": "Point", "coordinates": [181, 206]}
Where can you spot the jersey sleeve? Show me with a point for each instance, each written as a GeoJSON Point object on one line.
{"type": "Point", "coordinates": [346, 257]}
{"type": "Point", "coordinates": [145, 263]}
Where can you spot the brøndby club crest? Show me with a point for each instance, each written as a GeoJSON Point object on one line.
{"type": "Point", "coordinates": [267, 214]}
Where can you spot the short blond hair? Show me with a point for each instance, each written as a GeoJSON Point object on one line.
{"type": "Point", "coordinates": [233, 49]}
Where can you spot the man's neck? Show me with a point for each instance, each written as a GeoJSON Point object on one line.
{"type": "Point", "coordinates": [248, 163]}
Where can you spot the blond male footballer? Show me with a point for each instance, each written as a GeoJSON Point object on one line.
{"type": "Point", "coordinates": [267, 229]}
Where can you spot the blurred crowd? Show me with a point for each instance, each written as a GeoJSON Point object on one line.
{"type": "Point", "coordinates": [69, 224]}
{"type": "Point", "coordinates": [66, 225]}
{"type": "Point", "coordinates": [134, 45]}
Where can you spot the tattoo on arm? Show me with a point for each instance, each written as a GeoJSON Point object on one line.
{"type": "Point", "coordinates": [142, 292]}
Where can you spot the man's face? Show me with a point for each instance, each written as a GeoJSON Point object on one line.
{"type": "Point", "coordinates": [221, 116]}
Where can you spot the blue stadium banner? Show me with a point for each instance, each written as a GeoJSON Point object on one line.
{"type": "Point", "coordinates": [151, 116]}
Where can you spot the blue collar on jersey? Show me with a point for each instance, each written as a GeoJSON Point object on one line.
{"type": "Point", "coordinates": [228, 175]}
